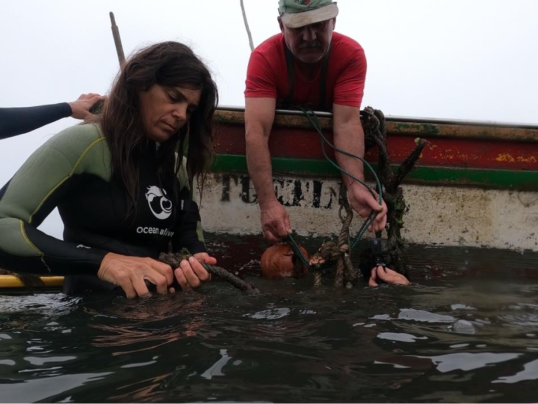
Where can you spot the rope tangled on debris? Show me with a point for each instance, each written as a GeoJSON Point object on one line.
{"type": "Point", "coordinates": [345, 271]}
{"type": "Point", "coordinates": [388, 185]}
{"type": "Point", "coordinates": [375, 134]}
{"type": "Point", "coordinates": [174, 259]}
{"type": "Point", "coordinates": [330, 251]}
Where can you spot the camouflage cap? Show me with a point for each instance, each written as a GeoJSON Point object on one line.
{"type": "Point", "coordinates": [298, 13]}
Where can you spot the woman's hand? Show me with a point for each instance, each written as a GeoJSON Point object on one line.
{"type": "Point", "coordinates": [387, 275]}
{"type": "Point", "coordinates": [130, 272]}
{"type": "Point", "coordinates": [191, 274]}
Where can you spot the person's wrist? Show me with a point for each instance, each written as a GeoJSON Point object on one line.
{"type": "Point", "coordinates": [70, 107]}
{"type": "Point", "coordinates": [355, 186]}
{"type": "Point", "coordinates": [106, 258]}
{"type": "Point", "coordinates": [268, 203]}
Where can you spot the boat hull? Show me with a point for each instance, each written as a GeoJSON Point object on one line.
{"type": "Point", "coordinates": [476, 184]}
{"type": "Point", "coordinates": [437, 215]}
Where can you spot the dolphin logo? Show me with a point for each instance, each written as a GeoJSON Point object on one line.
{"type": "Point", "coordinates": [160, 205]}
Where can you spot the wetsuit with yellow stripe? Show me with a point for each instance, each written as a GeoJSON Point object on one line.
{"type": "Point", "coordinates": [72, 171]}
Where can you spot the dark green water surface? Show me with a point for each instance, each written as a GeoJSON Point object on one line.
{"type": "Point", "coordinates": [467, 331]}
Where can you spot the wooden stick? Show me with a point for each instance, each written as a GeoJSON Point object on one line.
{"type": "Point", "coordinates": [117, 40]}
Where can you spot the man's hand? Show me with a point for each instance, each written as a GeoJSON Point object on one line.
{"type": "Point", "coordinates": [387, 275]}
{"type": "Point", "coordinates": [191, 274]}
{"type": "Point", "coordinates": [130, 272]}
{"type": "Point", "coordinates": [275, 222]}
{"type": "Point", "coordinates": [362, 201]}
{"type": "Point", "coordinates": [81, 107]}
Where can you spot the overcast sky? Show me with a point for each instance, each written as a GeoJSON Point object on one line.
{"type": "Point", "coordinates": [457, 59]}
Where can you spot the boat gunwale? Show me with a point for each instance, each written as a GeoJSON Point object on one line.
{"type": "Point", "coordinates": [403, 126]}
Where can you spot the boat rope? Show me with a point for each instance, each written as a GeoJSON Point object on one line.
{"type": "Point", "coordinates": [314, 121]}
{"type": "Point", "coordinates": [330, 252]}
{"type": "Point", "coordinates": [174, 260]}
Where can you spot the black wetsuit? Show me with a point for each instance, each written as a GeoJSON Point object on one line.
{"type": "Point", "coordinates": [16, 121]}
{"type": "Point", "coordinates": [72, 171]}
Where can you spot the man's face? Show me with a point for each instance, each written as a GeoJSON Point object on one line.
{"type": "Point", "coordinates": [309, 43]}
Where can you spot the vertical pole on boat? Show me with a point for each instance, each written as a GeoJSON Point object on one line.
{"type": "Point", "coordinates": [117, 40]}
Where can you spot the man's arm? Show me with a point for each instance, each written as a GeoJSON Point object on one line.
{"type": "Point", "coordinates": [259, 117]}
{"type": "Point", "coordinates": [16, 121]}
{"type": "Point", "coordinates": [349, 136]}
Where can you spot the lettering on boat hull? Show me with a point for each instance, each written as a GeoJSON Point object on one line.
{"type": "Point", "coordinates": [438, 215]}
{"type": "Point", "coordinates": [289, 192]}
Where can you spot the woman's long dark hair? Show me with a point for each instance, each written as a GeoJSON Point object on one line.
{"type": "Point", "coordinates": [168, 64]}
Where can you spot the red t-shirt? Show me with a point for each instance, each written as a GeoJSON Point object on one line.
{"type": "Point", "coordinates": [267, 74]}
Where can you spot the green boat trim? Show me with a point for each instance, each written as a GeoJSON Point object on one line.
{"type": "Point", "coordinates": [481, 178]}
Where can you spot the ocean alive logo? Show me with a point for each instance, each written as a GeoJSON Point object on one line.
{"type": "Point", "coordinates": [155, 231]}
{"type": "Point", "coordinates": [160, 205]}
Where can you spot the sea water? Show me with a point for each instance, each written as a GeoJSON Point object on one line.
{"type": "Point", "coordinates": [465, 331]}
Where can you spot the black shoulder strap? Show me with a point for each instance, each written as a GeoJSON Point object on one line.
{"type": "Point", "coordinates": [323, 81]}
{"type": "Point", "coordinates": [291, 76]}
{"type": "Point", "coordinates": [288, 101]}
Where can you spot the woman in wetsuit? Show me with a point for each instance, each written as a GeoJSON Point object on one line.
{"type": "Point", "coordinates": [123, 185]}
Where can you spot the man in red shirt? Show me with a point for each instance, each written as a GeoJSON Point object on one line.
{"type": "Point", "coordinates": [308, 65]}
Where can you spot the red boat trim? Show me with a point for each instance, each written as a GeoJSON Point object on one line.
{"type": "Point", "coordinates": [300, 143]}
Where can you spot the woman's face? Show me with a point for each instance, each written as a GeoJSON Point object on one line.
{"type": "Point", "coordinates": [166, 109]}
